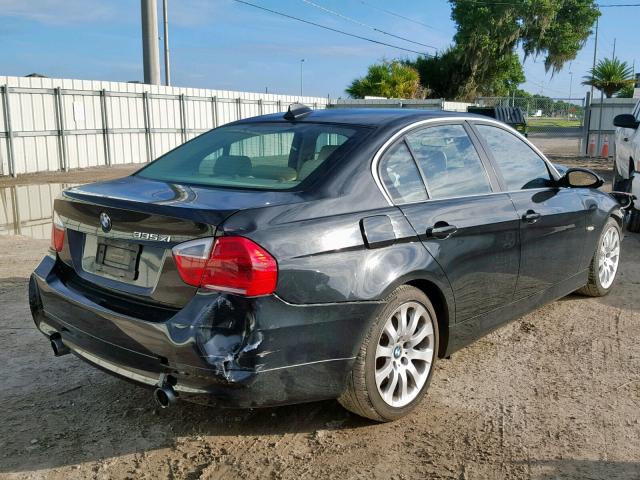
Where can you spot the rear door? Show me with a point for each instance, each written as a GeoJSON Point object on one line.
{"type": "Point", "coordinates": [552, 218]}
{"type": "Point", "coordinates": [437, 177]}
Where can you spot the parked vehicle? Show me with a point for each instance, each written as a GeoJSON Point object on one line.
{"type": "Point", "coordinates": [317, 255]}
{"type": "Point", "coordinates": [512, 116]}
{"type": "Point", "coordinates": [627, 161]}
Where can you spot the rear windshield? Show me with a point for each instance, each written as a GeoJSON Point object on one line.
{"type": "Point", "coordinates": [266, 156]}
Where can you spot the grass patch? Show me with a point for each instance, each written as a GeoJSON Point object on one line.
{"type": "Point", "coordinates": [554, 122]}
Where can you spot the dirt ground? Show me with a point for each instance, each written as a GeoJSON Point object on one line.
{"type": "Point", "coordinates": [553, 395]}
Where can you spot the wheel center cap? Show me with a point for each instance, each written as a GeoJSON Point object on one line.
{"type": "Point", "coordinates": [397, 352]}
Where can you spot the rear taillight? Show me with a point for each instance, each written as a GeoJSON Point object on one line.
{"type": "Point", "coordinates": [229, 264]}
{"type": "Point", "coordinates": [57, 233]}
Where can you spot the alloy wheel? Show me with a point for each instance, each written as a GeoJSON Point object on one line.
{"type": "Point", "coordinates": [404, 354]}
{"type": "Point", "coordinates": [609, 256]}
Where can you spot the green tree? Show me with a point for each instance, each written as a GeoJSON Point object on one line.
{"type": "Point", "coordinates": [488, 34]}
{"type": "Point", "coordinates": [610, 75]}
{"type": "Point", "coordinates": [483, 59]}
{"type": "Point", "coordinates": [439, 74]}
{"type": "Point", "coordinates": [389, 79]}
{"type": "Point", "coordinates": [442, 75]}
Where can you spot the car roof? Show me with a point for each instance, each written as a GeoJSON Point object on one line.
{"type": "Point", "coordinates": [375, 117]}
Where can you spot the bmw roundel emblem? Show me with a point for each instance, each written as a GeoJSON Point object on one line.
{"type": "Point", "coordinates": [105, 222]}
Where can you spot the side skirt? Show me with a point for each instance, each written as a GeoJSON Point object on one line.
{"type": "Point", "coordinates": [465, 333]}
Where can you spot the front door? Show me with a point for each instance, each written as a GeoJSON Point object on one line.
{"type": "Point", "coordinates": [627, 140]}
{"type": "Point", "coordinates": [468, 228]}
{"type": "Point", "coordinates": [552, 218]}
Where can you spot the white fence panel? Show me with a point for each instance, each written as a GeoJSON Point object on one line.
{"type": "Point", "coordinates": [611, 107]}
{"type": "Point", "coordinates": [199, 113]}
{"type": "Point", "coordinates": [4, 163]}
{"type": "Point", "coordinates": [600, 131]}
{"type": "Point", "coordinates": [60, 123]}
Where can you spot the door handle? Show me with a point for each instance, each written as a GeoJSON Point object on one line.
{"type": "Point", "coordinates": [531, 216]}
{"type": "Point", "coordinates": [441, 230]}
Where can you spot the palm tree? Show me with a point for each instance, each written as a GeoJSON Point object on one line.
{"type": "Point", "coordinates": [389, 79]}
{"type": "Point", "coordinates": [610, 76]}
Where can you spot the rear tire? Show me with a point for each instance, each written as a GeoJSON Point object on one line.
{"type": "Point", "coordinates": [396, 360]}
{"type": "Point", "coordinates": [604, 264]}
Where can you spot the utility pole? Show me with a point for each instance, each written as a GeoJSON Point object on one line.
{"type": "Point", "coordinates": [595, 51]}
{"type": "Point", "coordinates": [167, 65]}
{"type": "Point", "coordinates": [150, 51]}
{"type": "Point", "coordinates": [614, 48]}
{"type": "Point", "coordinates": [570, 81]}
{"type": "Point", "coordinates": [301, 74]}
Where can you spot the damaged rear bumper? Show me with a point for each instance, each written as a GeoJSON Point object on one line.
{"type": "Point", "coordinates": [219, 349]}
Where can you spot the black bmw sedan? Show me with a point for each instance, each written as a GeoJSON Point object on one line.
{"type": "Point", "coordinates": [318, 254]}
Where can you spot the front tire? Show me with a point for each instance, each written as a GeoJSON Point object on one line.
{"type": "Point", "coordinates": [634, 220]}
{"type": "Point", "coordinates": [604, 265]}
{"type": "Point", "coordinates": [633, 224]}
{"type": "Point", "coordinates": [396, 360]}
{"type": "Point", "coordinates": [621, 184]}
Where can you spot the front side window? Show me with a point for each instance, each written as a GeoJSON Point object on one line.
{"type": "Point", "coordinates": [400, 175]}
{"type": "Point", "coordinates": [264, 156]}
{"type": "Point", "coordinates": [521, 167]}
{"type": "Point", "coordinates": [449, 162]}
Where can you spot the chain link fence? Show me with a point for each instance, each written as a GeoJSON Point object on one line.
{"type": "Point", "coordinates": [555, 125]}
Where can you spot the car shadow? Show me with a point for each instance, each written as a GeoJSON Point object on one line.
{"type": "Point", "coordinates": [60, 411]}
{"type": "Point", "coordinates": [570, 468]}
{"type": "Point", "coordinates": [89, 416]}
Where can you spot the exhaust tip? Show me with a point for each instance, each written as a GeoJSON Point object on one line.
{"type": "Point", "coordinates": [59, 348]}
{"type": "Point", "coordinates": [165, 396]}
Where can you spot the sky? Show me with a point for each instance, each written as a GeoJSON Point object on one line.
{"type": "Point", "coordinates": [223, 44]}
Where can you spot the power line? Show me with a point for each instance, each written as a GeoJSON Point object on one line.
{"type": "Point", "coordinates": [362, 24]}
{"type": "Point", "coordinates": [330, 28]}
{"type": "Point", "coordinates": [609, 5]}
{"type": "Point", "coordinates": [545, 87]}
{"type": "Point", "coordinates": [389, 12]}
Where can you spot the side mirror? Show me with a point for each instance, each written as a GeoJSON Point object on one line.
{"type": "Point", "coordinates": [626, 120]}
{"type": "Point", "coordinates": [582, 178]}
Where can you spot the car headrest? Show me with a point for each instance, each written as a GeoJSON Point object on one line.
{"type": "Point", "coordinates": [310, 165]}
{"type": "Point", "coordinates": [233, 166]}
{"type": "Point", "coordinates": [326, 151]}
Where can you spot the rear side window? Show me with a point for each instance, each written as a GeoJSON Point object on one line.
{"type": "Point", "coordinates": [520, 166]}
{"type": "Point", "coordinates": [400, 175]}
{"type": "Point", "coordinates": [263, 156]}
{"type": "Point", "coordinates": [449, 162]}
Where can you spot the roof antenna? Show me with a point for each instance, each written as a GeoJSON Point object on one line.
{"type": "Point", "coordinates": [297, 111]}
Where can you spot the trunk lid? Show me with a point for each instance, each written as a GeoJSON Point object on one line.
{"type": "Point", "coordinates": [119, 234]}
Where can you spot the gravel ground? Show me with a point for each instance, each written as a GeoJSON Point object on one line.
{"type": "Point", "coordinates": [553, 395]}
